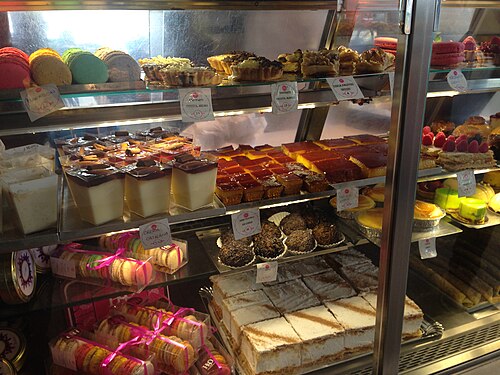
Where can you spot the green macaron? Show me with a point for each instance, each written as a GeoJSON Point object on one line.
{"type": "Point", "coordinates": [85, 66]}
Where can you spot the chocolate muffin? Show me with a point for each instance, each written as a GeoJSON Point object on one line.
{"type": "Point", "coordinates": [300, 241]}
{"type": "Point", "coordinates": [292, 222]}
{"type": "Point", "coordinates": [236, 254]}
{"type": "Point", "coordinates": [227, 237]}
{"type": "Point", "coordinates": [269, 247]}
{"type": "Point", "coordinates": [325, 233]}
{"type": "Point", "coordinates": [270, 229]}
{"type": "Point", "coordinates": [310, 217]}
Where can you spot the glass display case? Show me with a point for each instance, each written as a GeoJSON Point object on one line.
{"type": "Point", "coordinates": [346, 188]}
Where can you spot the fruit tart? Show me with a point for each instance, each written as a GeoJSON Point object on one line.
{"type": "Point", "coordinates": [291, 61]}
{"type": "Point", "coordinates": [375, 60]}
{"type": "Point", "coordinates": [321, 63]}
{"type": "Point", "coordinates": [153, 65]}
{"type": "Point", "coordinates": [257, 69]}
{"type": "Point", "coordinates": [222, 63]}
{"type": "Point", "coordinates": [348, 58]}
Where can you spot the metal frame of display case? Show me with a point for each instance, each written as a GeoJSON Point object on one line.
{"type": "Point", "coordinates": [413, 57]}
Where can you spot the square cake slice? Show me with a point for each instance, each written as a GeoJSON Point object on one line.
{"type": "Point", "coordinates": [311, 266]}
{"type": "Point", "coordinates": [364, 276]}
{"type": "Point", "coordinates": [271, 346]}
{"type": "Point", "coordinates": [347, 258]}
{"type": "Point", "coordinates": [412, 318]}
{"type": "Point", "coordinates": [321, 333]}
{"type": "Point", "coordinates": [286, 272]}
{"type": "Point", "coordinates": [329, 286]}
{"type": "Point", "coordinates": [357, 317]}
{"type": "Point", "coordinates": [239, 301]}
{"type": "Point", "coordinates": [230, 285]}
{"type": "Point", "coordinates": [291, 296]}
{"type": "Point", "coordinates": [248, 315]}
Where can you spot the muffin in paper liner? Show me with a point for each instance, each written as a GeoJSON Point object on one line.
{"type": "Point", "coordinates": [341, 239]}
{"type": "Point", "coordinates": [237, 268]}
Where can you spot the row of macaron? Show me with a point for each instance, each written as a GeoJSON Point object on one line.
{"type": "Point", "coordinates": [45, 66]}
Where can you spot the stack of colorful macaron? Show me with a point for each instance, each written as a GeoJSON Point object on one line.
{"type": "Point", "coordinates": [14, 68]}
{"type": "Point", "coordinates": [171, 257]}
{"type": "Point", "coordinates": [85, 66]}
{"type": "Point", "coordinates": [47, 67]}
{"type": "Point", "coordinates": [121, 66]}
{"type": "Point", "coordinates": [171, 352]}
{"type": "Point", "coordinates": [447, 53]}
{"type": "Point", "coordinates": [389, 45]}
{"type": "Point", "coordinates": [90, 358]}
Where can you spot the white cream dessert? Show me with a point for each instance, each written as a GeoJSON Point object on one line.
{"type": "Point", "coordinates": [147, 188]}
{"type": "Point", "coordinates": [286, 272]}
{"type": "Point", "coordinates": [271, 346]}
{"type": "Point", "coordinates": [240, 301]}
{"type": "Point", "coordinates": [412, 318]}
{"type": "Point", "coordinates": [32, 194]}
{"type": "Point", "coordinates": [329, 286]}
{"type": "Point", "coordinates": [357, 317]}
{"type": "Point", "coordinates": [230, 285]}
{"type": "Point", "coordinates": [98, 192]}
{"type": "Point", "coordinates": [193, 182]}
{"type": "Point", "coordinates": [363, 276]}
{"type": "Point", "coordinates": [348, 257]}
{"type": "Point", "coordinates": [291, 296]}
{"type": "Point", "coordinates": [248, 315]}
{"type": "Point", "coordinates": [321, 334]}
{"type": "Point", "coordinates": [311, 266]}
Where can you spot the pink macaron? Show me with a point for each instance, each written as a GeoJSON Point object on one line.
{"type": "Point", "coordinates": [447, 47]}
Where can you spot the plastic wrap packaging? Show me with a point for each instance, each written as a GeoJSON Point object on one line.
{"type": "Point", "coordinates": [95, 267]}
{"type": "Point", "coordinates": [85, 356]}
{"type": "Point", "coordinates": [182, 322]}
{"type": "Point", "coordinates": [214, 360]}
{"type": "Point", "coordinates": [168, 258]}
{"type": "Point", "coordinates": [172, 354]}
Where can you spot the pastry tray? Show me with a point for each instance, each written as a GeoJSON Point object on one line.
{"type": "Point", "coordinates": [209, 237]}
{"type": "Point", "coordinates": [493, 219]}
{"type": "Point", "coordinates": [431, 330]}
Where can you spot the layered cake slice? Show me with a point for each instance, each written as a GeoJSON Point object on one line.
{"type": "Point", "coordinates": [271, 346]}
{"type": "Point", "coordinates": [225, 286]}
{"type": "Point", "coordinates": [294, 149]}
{"type": "Point", "coordinates": [329, 286]}
{"type": "Point", "coordinates": [286, 272]}
{"type": "Point", "coordinates": [363, 276]}
{"type": "Point", "coordinates": [309, 157]}
{"type": "Point", "coordinates": [357, 317]}
{"type": "Point", "coordinates": [366, 139]}
{"type": "Point", "coordinates": [291, 296]}
{"type": "Point", "coordinates": [311, 266]}
{"type": "Point", "coordinates": [372, 164]}
{"type": "Point", "coordinates": [347, 258]}
{"type": "Point", "coordinates": [240, 301]}
{"type": "Point", "coordinates": [412, 318]}
{"type": "Point", "coordinates": [321, 334]}
{"type": "Point", "coordinates": [329, 144]}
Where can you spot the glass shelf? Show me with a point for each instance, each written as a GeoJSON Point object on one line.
{"type": "Point", "coordinates": [53, 293]}
{"type": "Point", "coordinates": [480, 78]}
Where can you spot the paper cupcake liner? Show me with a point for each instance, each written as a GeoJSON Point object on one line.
{"type": "Point", "coordinates": [300, 252]}
{"type": "Point", "coordinates": [276, 218]}
{"type": "Point", "coordinates": [234, 267]}
{"type": "Point", "coordinates": [342, 239]}
{"type": "Point", "coordinates": [266, 259]}
{"type": "Point", "coordinates": [219, 243]}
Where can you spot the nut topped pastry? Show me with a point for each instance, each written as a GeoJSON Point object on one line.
{"type": "Point", "coordinates": [152, 66]}
{"type": "Point", "coordinates": [186, 75]}
{"type": "Point", "coordinates": [375, 60]}
{"type": "Point", "coordinates": [256, 69]}
{"type": "Point", "coordinates": [325, 234]}
{"type": "Point", "coordinates": [222, 63]}
{"type": "Point", "coordinates": [270, 229]}
{"type": "Point", "coordinates": [320, 63]}
{"type": "Point", "coordinates": [291, 61]}
{"type": "Point", "coordinates": [227, 237]}
{"type": "Point", "coordinates": [348, 58]}
{"type": "Point", "coordinates": [269, 247]}
{"type": "Point", "coordinates": [236, 254]}
{"type": "Point", "coordinates": [301, 241]}
{"type": "Point", "coordinates": [292, 222]}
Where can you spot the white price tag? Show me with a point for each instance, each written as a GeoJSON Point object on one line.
{"type": "Point", "coordinates": [267, 272]}
{"type": "Point", "coordinates": [347, 197]}
{"type": "Point", "coordinates": [456, 80]}
{"type": "Point", "coordinates": [196, 104]}
{"type": "Point", "coordinates": [62, 267]}
{"type": "Point", "coordinates": [39, 101]}
{"type": "Point", "coordinates": [466, 183]}
{"type": "Point", "coordinates": [345, 88]}
{"type": "Point", "coordinates": [155, 234]}
{"type": "Point", "coordinates": [427, 248]}
{"type": "Point", "coordinates": [391, 82]}
{"type": "Point", "coordinates": [246, 223]}
{"type": "Point", "coordinates": [64, 359]}
{"type": "Point", "coordinates": [284, 97]}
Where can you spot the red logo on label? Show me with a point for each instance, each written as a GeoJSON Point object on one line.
{"type": "Point", "coordinates": [194, 95]}
{"type": "Point", "coordinates": [283, 88]}
{"type": "Point", "coordinates": [341, 80]}
{"type": "Point", "coordinates": [346, 191]}
{"type": "Point", "coordinates": [455, 72]}
{"type": "Point", "coordinates": [154, 227]}
{"type": "Point", "coordinates": [267, 266]}
{"type": "Point", "coordinates": [245, 215]}
{"type": "Point", "coordinates": [38, 89]}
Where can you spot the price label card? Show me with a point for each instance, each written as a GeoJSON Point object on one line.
{"type": "Point", "coordinates": [391, 82]}
{"type": "Point", "coordinates": [267, 272]}
{"type": "Point", "coordinates": [466, 183]}
{"type": "Point", "coordinates": [246, 223]}
{"type": "Point", "coordinates": [427, 248]}
{"type": "Point", "coordinates": [345, 88]}
{"type": "Point", "coordinates": [39, 101]}
{"type": "Point", "coordinates": [196, 104]}
{"type": "Point", "coordinates": [347, 197]}
{"type": "Point", "coordinates": [456, 80]}
{"type": "Point", "coordinates": [62, 267]}
{"type": "Point", "coordinates": [284, 97]}
{"type": "Point", "coordinates": [155, 234]}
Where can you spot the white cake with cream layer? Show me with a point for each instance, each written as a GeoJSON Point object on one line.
{"type": "Point", "coordinates": [240, 301]}
{"type": "Point", "coordinates": [230, 285]}
{"type": "Point", "coordinates": [357, 317]}
{"type": "Point", "coordinates": [286, 272]}
{"type": "Point", "coordinates": [348, 258]}
{"type": "Point", "coordinates": [271, 346]}
{"type": "Point", "coordinates": [321, 334]}
{"type": "Point", "coordinates": [363, 276]}
{"type": "Point", "coordinates": [291, 296]}
{"type": "Point", "coordinates": [329, 286]}
{"type": "Point", "coordinates": [148, 196]}
{"type": "Point", "coordinates": [250, 314]}
{"type": "Point", "coordinates": [412, 318]}
{"type": "Point", "coordinates": [311, 266]}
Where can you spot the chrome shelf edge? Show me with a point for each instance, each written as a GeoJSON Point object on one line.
{"type": "Point", "coordinates": [445, 174]}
